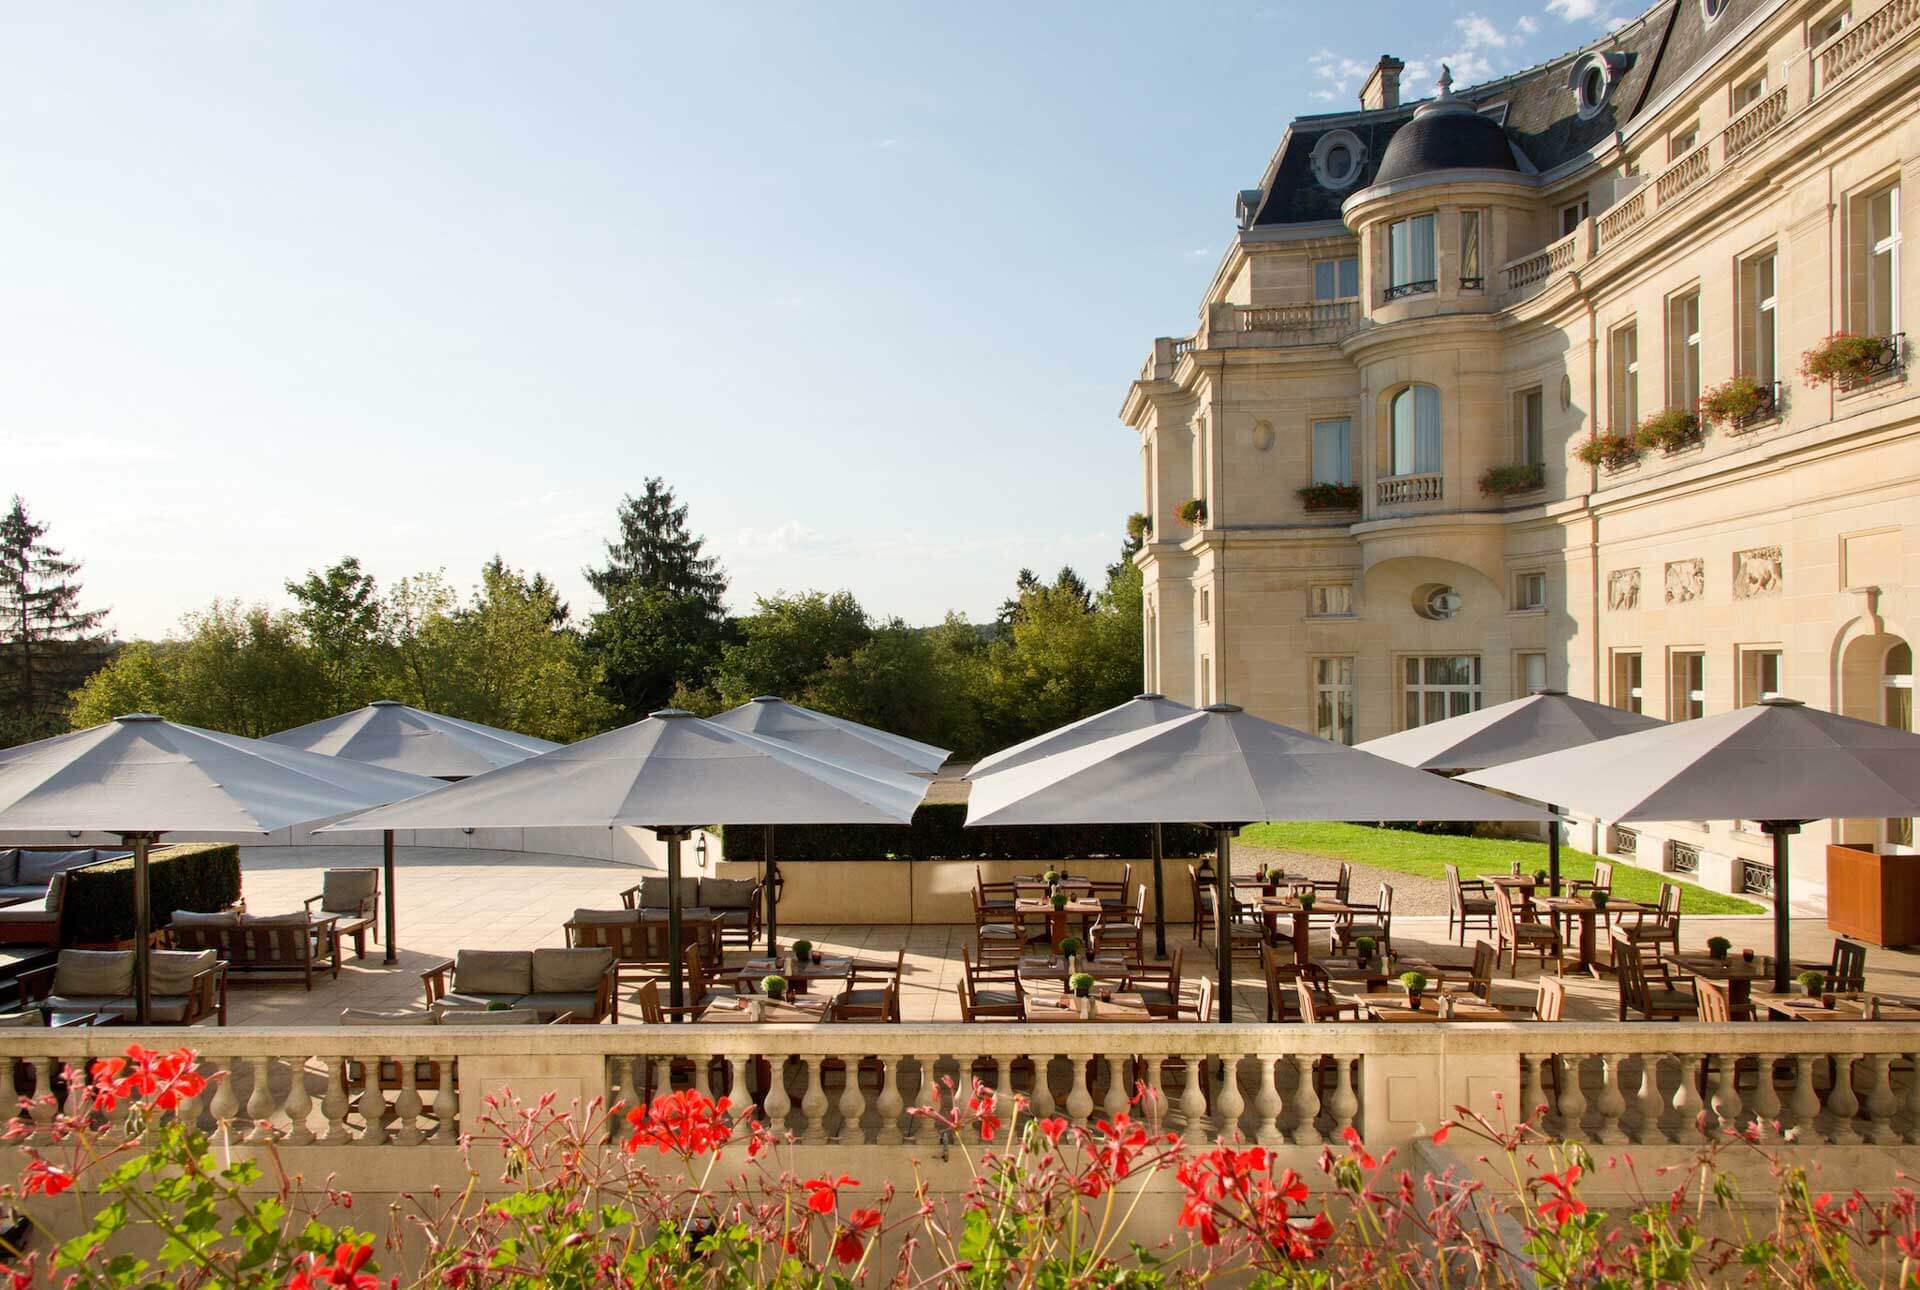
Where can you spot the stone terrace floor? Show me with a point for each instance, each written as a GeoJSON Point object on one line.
{"type": "Point", "coordinates": [454, 899]}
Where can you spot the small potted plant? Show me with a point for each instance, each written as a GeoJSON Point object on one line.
{"type": "Point", "coordinates": [1540, 876]}
{"type": "Point", "coordinates": [1718, 947]}
{"type": "Point", "coordinates": [1735, 402]}
{"type": "Point", "coordinates": [1843, 358]}
{"type": "Point", "coordinates": [774, 987]}
{"type": "Point", "coordinates": [1070, 951]}
{"type": "Point", "coordinates": [1605, 448]}
{"type": "Point", "coordinates": [1059, 901]}
{"type": "Point", "coordinates": [1081, 983]}
{"type": "Point", "coordinates": [1415, 984]}
{"type": "Point", "coordinates": [1600, 896]}
{"type": "Point", "coordinates": [802, 953]}
{"type": "Point", "coordinates": [1139, 527]}
{"type": "Point", "coordinates": [1363, 947]}
{"type": "Point", "coordinates": [1669, 430]}
{"type": "Point", "coordinates": [1306, 898]}
{"type": "Point", "coordinates": [1812, 983]}
{"type": "Point", "coordinates": [1193, 511]}
{"type": "Point", "coordinates": [1051, 877]}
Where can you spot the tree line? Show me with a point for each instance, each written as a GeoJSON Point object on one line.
{"type": "Point", "coordinates": [510, 652]}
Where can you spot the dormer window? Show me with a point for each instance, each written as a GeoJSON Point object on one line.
{"type": "Point", "coordinates": [1592, 80]}
{"type": "Point", "coordinates": [1337, 159]}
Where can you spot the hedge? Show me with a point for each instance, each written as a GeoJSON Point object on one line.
{"type": "Point", "coordinates": [936, 834]}
{"type": "Point", "coordinates": [97, 908]}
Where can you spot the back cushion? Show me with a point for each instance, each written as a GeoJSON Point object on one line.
{"type": "Point", "coordinates": [569, 971]}
{"type": "Point", "coordinates": [174, 970]}
{"type": "Point", "coordinates": [37, 867]}
{"type": "Point", "coordinates": [193, 918]}
{"type": "Point", "coordinates": [489, 1017]}
{"type": "Point", "coordinates": [394, 1017]}
{"type": "Point", "coordinates": [607, 917]}
{"type": "Point", "coordinates": [727, 893]}
{"type": "Point", "coordinates": [22, 1020]}
{"type": "Point", "coordinates": [653, 892]}
{"type": "Point", "coordinates": [342, 890]}
{"type": "Point", "coordinates": [9, 866]}
{"type": "Point", "coordinates": [94, 972]}
{"type": "Point", "coordinates": [493, 972]}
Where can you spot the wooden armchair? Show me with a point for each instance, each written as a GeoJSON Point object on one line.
{"type": "Point", "coordinates": [1602, 880]}
{"type": "Point", "coordinates": [1375, 920]}
{"type": "Point", "coordinates": [1158, 985]}
{"type": "Point", "coordinates": [1659, 927]}
{"type": "Point", "coordinates": [1481, 982]}
{"type": "Point", "coordinates": [1283, 1000]}
{"type": "Point", "coordinates": [1516, 934]}
{"type": "Point", "coordinates": [1122, 931]}
{"type": "Point", "coordinates": [1656, 997]}
{"type": "Point", "coordinates": [1468, 900]}
{"type": "Point", "coordinates": [873, 992]}
{"type": "Point", "coordinates": [353, 897]}
{"type": "Point", "coordinates": [998, 934]}
{"type": "Point", "coordinates": [990, 992]}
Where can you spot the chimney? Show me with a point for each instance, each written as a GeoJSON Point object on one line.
{"type": "Point", "coordinates": [1382, 89]}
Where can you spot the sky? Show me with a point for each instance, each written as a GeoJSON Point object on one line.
{"type": "Point", "coordinates": [865, 283]}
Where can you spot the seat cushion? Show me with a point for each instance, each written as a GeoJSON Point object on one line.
{"type": "Point", "coordinates": [736, 917]}
{"type": "Point", "coordinates": [388, 1017]}
{"type": "Point", "coordinates": [1663, 998]}
{"type": "Point", "coordinates": [28, 1020]}
{"type": "Point", "coordinates": [297, 918]}
{"type": "Point", "coordinates": [193, 918]}
{"type": "Point", "coordinates": [869, 997]}
{"type": "Point", "coordinates": [37, 867]}
{"type": "Point", "coordinates": [727, 893]}
{"type": "Point", "coordinates": [94, 972]}
{"type": "Point", "coordinates": [22, 893]}
{"type": "Point", "coordinates": [1006, 930]}
{"type": "Point", "coordinates": [29, 914]}
{"type": "Point", "coordinates": [607, 917]}
{"type": "Point", "coordinates": [493, 972]}
{"type": "Point", "coordinates": [570, 971]}
{"type": "Point", "coordinates": [462, 1000]}
{"type": "Point", "coordinates": [653, 892]}
{"type": "Point", "coordinates": [161, 1008]}
{"type": "Point", "coordinates": [547, 1002]}
{"type": "Point", "coordinates": [494, 1017]}
{"type": "Point", "coordinates": [995, 999]}
{"type": "Point", "coordinates": [173, 970]}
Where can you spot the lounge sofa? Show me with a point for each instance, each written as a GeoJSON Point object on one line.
{"type": "Point", "coordinates": [736, 901]}
{"type": "Point", "coordinates": [26, 873]}
{"type": "Point", "coordinates": [36, 922]}
{"type": "Point", "coordinates": [258, 942]}
{"type": "Point", "coordinates": [187, 987]}
{"type": "Point", "coordinates": [549, 981]}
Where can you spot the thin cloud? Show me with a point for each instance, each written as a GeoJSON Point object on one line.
{"type": "Point", "coordinates": [1527, 25]}
{"type": "Point", "coordinates": [1478, 32]}
{"type": "Point", "coordinates": [1574, 10]}
{"type": "Point", "coordinates": [68, 449]}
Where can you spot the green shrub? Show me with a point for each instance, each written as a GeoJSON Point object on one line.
{"type": "Point", "coordinates": [1735, 401]}
{"type": "Point", "coordinates": [1502, 480]}
{"type": "Point", "coordinates": [1193, 511]}
{"type": "Point", "coordinates": [1605, 448]}
{"type": "Point", "coordinates": [98, 905]}
{"type": "Point", "coordinates": [1330, 497]}
{"type": "Point", "coordinates": [1139, 527]}
{"type": "Point", "coordinates": [1841, 357]}
{"type": "Point", "coordinates": [937, 834]}
{"type": "Point", "coordinates": [1669, 430]}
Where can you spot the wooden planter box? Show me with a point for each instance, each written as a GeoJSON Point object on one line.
{"type": "Point", "coordinates": [1873, 897]}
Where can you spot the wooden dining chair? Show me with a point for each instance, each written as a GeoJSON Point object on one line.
{"type": "Point", "coordinates": [1516, 934]}
{"type": "Point", "coordinates": [1656, 997]}
{"type": "Point", "coordinates": [1283, 1003]}
{"type": "Point", "coordinates": [1847, 972]}
{"type": "Point", "coordinates": [1122, 932]}
{"type": "Point", "coordinates": [1157, 984]}
{"type": "Point", "coordinates": [1660, 926]}
{"type": "Point", "coordinates": [1602, 880]}
{"type": "Point", "coordinates": [1550, 1000]}
{"type": "Point", "coordinates": [1304, 998]}
{"type": "Point", "coordinates": [873, 991]}
{"type": "Point", "coordinates": [1468, 900]}
{"type": "Point", "coordinates": [1201, 1007]}
{"type": "Point", "coordinates": [1375, 920]}
{"type": "Point", "coordinates": [990, 992]}
{"type": "Point", "coordinates": [1481, 981]}
{"type": "Point", "coordinates": [998, 934]}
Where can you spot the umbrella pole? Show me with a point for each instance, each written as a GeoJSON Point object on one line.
{"type": "Point", "coordinates": [1553, 850]}
{"type": "Point", "coordinates": [767, 876]}
{"type": "Point", "coordinates": [386, 846]}
{"type": "Point", "coordinates": [1223, 918]}
{"type": "Point", "coordinates": [142, 926]}
{"type": "Point", "coordinates": [676, 991]}
{"type": "Point", "coordinates": [1159, 895]}
{"type": "Point", "coordinates": [1781, 831]}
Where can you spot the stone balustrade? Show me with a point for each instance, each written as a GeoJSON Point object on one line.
{"type": "Point", "coordinates": [1397, 490]}
{"type": "Point", "coordinates": [1858, 43]}
{"type": "Point", "coordinates": [1530, 271]}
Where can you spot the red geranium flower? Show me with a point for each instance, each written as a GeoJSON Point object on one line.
{"type": "Point", "coordinates": [823, 1195]}
{"type": "Point", "coordinates": [983, 1105]}
{"type": "Point", "coordinates": [343, 1271]}
{"type": "Point", "coordinates": [1563, 1206]}
{"type": "Point", "coordinates": [847, 1245]}
{"type": "Point", "coordinates": [688, 1123]}
{"type": "Point", "coordinates": [43, 1179]}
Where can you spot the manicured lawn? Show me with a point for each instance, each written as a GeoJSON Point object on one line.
{"type": "Point", "coordinates": [1426, 856]}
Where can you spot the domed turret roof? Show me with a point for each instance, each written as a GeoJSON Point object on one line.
{"type": "Point", "coordinates": [1446, 133]}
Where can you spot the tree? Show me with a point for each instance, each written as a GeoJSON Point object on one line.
{"type": "Point", "coordinates": [48, 644]}
{"type": "Point", "coordinates": [1062, 659]}
{"type": "Point", "coordinates": [339, 609]}
{"type": "Point", "coordinates": [1024, 582]}
{"type": "Point", "coordinates": [665, 621]}
{"type": "Point", "coordinates": [787, 642]}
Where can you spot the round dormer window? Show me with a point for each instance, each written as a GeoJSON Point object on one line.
{"type": "Point", "coordinates": [1437, 601]}
{"type": "Point", "coordinates": [1337, 159]}
{"type": "Point", "coordinates": [1592, 84]}
{"type": "Point", "coordinates": [1713, 8]}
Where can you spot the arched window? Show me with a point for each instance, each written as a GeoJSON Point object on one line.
{"type": "Point", "coordinates": [1415, 418]}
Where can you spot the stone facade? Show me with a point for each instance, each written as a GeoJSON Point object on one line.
{"type": "Point", "coordinates": [1694, 198]}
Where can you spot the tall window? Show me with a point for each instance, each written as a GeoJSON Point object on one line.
{"type": "Point", "coordinates": [1896, 687]}
{"type": "Point", "coordinates": [1627, 692]}
{"type": "Point", "coordinates": [1825, 29]}
{"type": "Point", "coordinates": [1410, 256]}
{"type": "Point", "coordinates": [1441, 686]}
{"type": "Point", "coordinates": [1330, 600]}
{"type": "Point", "coordinates": [1625, 352]}
{"type": "Point", "coordinates": [1203, 605]}
{"type": "Point", "coordinates": [1681, 142]}
{"type": "Point", "coordinates": [1570, 216]}
{"type": "Point", "coordinates": [1416, 446]}
{"type": "Point", "coordinates": [1530, 424]}
{"type": "Point", "coordinates": [1683, 351]}
{"type": "Point", "coordinates": [1760, 329]}
{"type": "Point", "coordinates": [1530, 674]}
{"type": "Point", "coordinates": [1336, 279]}
{"type": "Point", "coordinates": [1333, 699]}
{"type": "Point", "coordinates": [1880, 262]}
{"type": "Point", "coordinates": [1748, 92]}
{"type": "Point", "coordinates": [1688, 699]}
{"type": "Point", "coordinates": [1333, 451]}
{"type": "Point", "coordinates": [1471, 274]}
{"type": "Point", "coordinates": [1530, 590]}
{"type": "Point", "coordinates": [1759, 675]}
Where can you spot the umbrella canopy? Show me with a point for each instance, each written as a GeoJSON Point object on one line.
{"type": "Point", "coordinates": [831, 738]}
{"type": "Point", "coordinates": [392, 735]}
{"type": "Point", "coordinates": [1137, 713]}
{"type": "Point", "coordinates": [1544, 722]}
{"type": "Point", "coordinates": [140, 776]}
{"type": "Point", "coordinates": [1224, 767]}
{"type": "Point", "coordinates": [1779, 762]}
{"type": "Point", "coordinates": [671, 773]}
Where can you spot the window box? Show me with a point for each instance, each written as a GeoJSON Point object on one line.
{"type": "Point", "coordinates": [1503, 481]}
{"type": "Point", "coordinates": [1193, 511]}
{"type": "Point", "coordinates": [1331, 497]}
{"type": "Point", "coordinates": [1741, 403]}
{"type": "Point", "coordinates": [1851, 362]}
{"type": "Point", "coordinates": [1670, 431]}
{"type": "Point", "coordinates": [1614, 451]}
{"type": "Point", "coordinates": [1139, 527]}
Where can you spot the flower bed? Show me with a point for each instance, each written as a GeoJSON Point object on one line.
{"type": "Point", "coordinates": [1669, 430]}
{"type": "Point", "coordinates": [1604, 448]}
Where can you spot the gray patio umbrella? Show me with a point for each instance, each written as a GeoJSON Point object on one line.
{"type": "Point", "coordinates": [1544, 722]}
{"type": "Point", "coordinates": [1137, 713]}
{"type": "Point", "coordinates": [830, 739]}
{"type": "Point", "coordinates": [1224, 768]}
{"type": "Point", "coordinates": [391, 735]}
{"type": "Point", "coordinates": [141, 776]}
{"type": "Point", "coordinates": [671, 773]}
{"type": "Point", "coordinates": [1779, 762]}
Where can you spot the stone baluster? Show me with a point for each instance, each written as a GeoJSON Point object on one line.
{"type": "Point", "coordinates": [1153, 1107]}
{"type": "Point", "coordinates": [1306, 1101]}
{"type": "Point", "coordinates": [1573, 1099]}
{"type": "Point", "coordinates": [79, 1078]}
{"type": "Point", "coordinates": [1766, 1098]}
{"type": "Point", "coordinates": [1912, 1105]}
{"type": "Point", "coordinates": [1804, 1101]}
{"type": "Point", "coordinates": [1727, 1106]}
{"type": "Point", "coordinates": [373, 1103]}
{"type": "Point", "coordinates": [927, 1100]}
{"type": "Point", "coordinates": [889, 1104]}
{"type": "Point", "coordinates": [446, 1106]}
{"type": "Point", "coordinates": [299, 1107]}
{"type": "Point", "coordinates": [853, 1105]}
{"type": "Point", "coordinates": [813, 1104]}
{"type": "Point", "coordinates": [1079, 1096]}
{"type": "Point", "coordinates": [406, 1103]}
{"type": "Point", "coordinates": [702, 1077]}
{"type": "Point", "coordinates": [1687, 1105]}
{"type": "Point", "coordinates": [1612, 1102]}
{"type": "Point", "coordinates": [1266, 1106]}
{"type": "Point", "coordinates": [737, 1085]}
{"type": "Point", "coordinates": [260, 1106]}
{"type": "Point", "coordinates": [44, 1105]}
{"type": "Point", "coordinates": [189, 1110]}
{"type": "Point", "coordinates": [226, 1103]}
{"type": "Point", "coordinates": [1533, 1094]}
{"type": "Point", "coordinates": [1193, 1101]}
{"type": "Point", "coordinates": [1229, 1104]}
{"type": "Point", "coordinates": [10, 1086]}
{"type": "Point", "coordinates": [1880, 1103]}
{"type": "Point", "coordinates": [1345, 1103]}
{"type": "Point", "coordinates": [333, 1103]}
{"type": "Point", "coordinates": [1648, 1103]}
{"type": "Point", "coordinates": [778, 1104]}
{"type": "Point", "coordinates": [1043, 1102]}
{"type": "Point", "coordinates": [1842, 1102]}
{"type": "Point", "coordinates": [1118, 1090]}
{"type": "Point", "coordinates": [1003, 1086]}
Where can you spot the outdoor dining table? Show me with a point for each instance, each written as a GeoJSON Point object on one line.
{"type": "Point", "coordinates": [1346, 970]}
{"type": "Point", "coordinates": [1083, 908]}
{"type": "Point", "coordinates": [739, 1012]}
{"type": "Point", "coordinates": [1399, 1006]}
{"type": "Point", "coordinates": [1302, 916]}
{"type": "Point", "coordinates": [1849, 1008]}
{"type": "Point", "coordinates": [1055, 969]}
{"type": "Point", "coordinates": [1121, 1008]}
{"type": "Point", "coordinates": [1590, 914]}
{"type": "Point", "coordinates": [1738, 972]}
{"type": "Point", "coordinates": [831, 967]}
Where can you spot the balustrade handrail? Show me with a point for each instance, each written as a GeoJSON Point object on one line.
{"type": "Point", "coordinates": [1542, 264]}
{"type": "Point", "coordinates": [1855, 44]}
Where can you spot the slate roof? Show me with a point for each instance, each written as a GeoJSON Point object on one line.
{"type": "Point", "coordinates": [1659, 49]}
{"type": "Point", "coordinates": [1443, 136]}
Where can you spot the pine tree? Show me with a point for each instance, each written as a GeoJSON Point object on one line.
{"type": "Point", "coordinates": [48, 644]}
{"type": "Point", "coordinates": [656, 552]}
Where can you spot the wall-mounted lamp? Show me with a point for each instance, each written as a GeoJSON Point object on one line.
{"type": "Point", "coordinates": [468, 832]}
{"type": "Point", "coordinates": [73, 833]}
{"type": "Point", "coordinates": [700, 850]}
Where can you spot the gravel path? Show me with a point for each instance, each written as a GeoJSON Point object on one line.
{"type": "Point", "coordinates": [1413, 896]}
